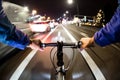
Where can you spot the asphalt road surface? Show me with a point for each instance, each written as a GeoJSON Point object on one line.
{"type": "Point", "coordinates": [95, 63]}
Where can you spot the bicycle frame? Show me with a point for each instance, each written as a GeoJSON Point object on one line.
{"type": "Point", "coordinates": [60, 71]}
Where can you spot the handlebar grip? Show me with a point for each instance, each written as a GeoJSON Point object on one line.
{"type": "Point", "coordinates": [47, 44]}
{"type": "Point", "coordinates": [79, 44]}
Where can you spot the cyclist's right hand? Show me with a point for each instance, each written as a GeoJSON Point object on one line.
{"type": "Point", "coordinates": [35, 44]}
{"type": "Point", "coordinates": [87, 42]}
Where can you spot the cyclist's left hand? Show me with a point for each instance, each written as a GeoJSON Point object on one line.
{"type": "Point", "coordinates": [35, 44]}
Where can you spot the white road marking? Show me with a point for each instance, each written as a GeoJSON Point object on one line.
{"type": "Point", "coordinates": [83, 34]}
{"type": "Point", "coordinates": [94, 68]}
{"type": "Point", "coordinates": [16, 75]}
{"type": "Point", "coordinates": [22, 66]}
{"type": "Point", "coordinates": [58, 38]}
{"type": "Point", "coordinates": [26, 29]}
{"type": "Point", "coordinates": [48, 35]}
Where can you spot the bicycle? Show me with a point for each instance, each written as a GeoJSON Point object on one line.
{"type": "Point", "coordinates": [60, 70]}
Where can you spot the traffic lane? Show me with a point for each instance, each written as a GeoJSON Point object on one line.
{"type": "Point", "coordinates": [40, 66]}
{"type": "Point", "coordinates": [85, 31]}
{"type": "Point", "coordinates": [11, 63]}
{"type": "Point", "coordinates": [107, 58]}
{"type": "Point", "coordinates": [4, 50]}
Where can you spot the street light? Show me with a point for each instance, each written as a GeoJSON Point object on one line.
{"type": "Point", "coordinates": [70, 1]}
{"type": "Point", "coordinates": [67, 12]}
{"type": "Point", "coordinates": [64, 15]}
{"type": "Point", "coordinates": [34, 12]}
{"type": "Point", "coordinates": [25, 9]}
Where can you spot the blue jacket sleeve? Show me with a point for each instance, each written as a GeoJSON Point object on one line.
{"type": "Point", "coordinates": [9, 34]}
{"type": "Point", "coordinates": [111, 32]}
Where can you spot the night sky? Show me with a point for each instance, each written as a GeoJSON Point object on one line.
{"type": "Point", "coordinates": [56, 8]}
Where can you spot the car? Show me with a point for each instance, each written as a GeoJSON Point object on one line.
{"type": "Point", "coordinates": [40, 26]}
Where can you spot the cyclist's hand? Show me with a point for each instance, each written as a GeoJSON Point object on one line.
{"type": "Point", "coordinates": [35, 44]}
{"type": "Point", "coordinates": [87, 42]}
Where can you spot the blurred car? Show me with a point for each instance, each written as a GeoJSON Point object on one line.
{"type": "Point", "coordinates": [32, 18]}
{"type": "Point", "coordinates": [40, 26]}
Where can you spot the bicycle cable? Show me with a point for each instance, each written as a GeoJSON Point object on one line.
{"type": "Point", "coordinates": [52, 60]}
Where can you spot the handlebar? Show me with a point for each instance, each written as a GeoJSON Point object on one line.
{"type": "Point", "coordinates": [63, 44]}
{"type": "Point", "coordinates": [60, 45]}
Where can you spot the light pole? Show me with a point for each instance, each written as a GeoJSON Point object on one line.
{"type": "Point", "coordinates": [77, 5]}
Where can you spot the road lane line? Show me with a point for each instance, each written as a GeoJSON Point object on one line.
{"type": "Point", "coordinates": [16, 75]}
{"type": "Point", "coordinates": [49, 35]}
{"type": "Point", "coordinates": [26, 29]}
{"type": "Point", "coordinates": [22, 66]}
{"type": "Point", "coordinates": [94, 68]}
{"type": "Point", "coordinates": [83, 34]}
